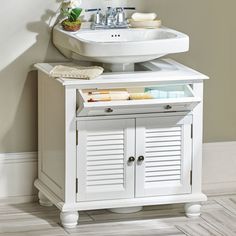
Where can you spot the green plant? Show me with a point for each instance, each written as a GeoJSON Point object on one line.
{"type": "Point", "coordinates": [71, 10]}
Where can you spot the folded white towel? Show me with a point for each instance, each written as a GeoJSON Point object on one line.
{"type": "Point", "coordinates": [76, 72]}
{"type": "Point", "coordinates": [144, 16]}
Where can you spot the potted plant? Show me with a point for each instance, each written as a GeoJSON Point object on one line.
{"type": "Point", "coordinates": [70, 9]}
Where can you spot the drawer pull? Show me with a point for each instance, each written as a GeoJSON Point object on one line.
{"type": "Point", "coordinates": [131, 159]}
{"type": "Point", "coordinates": [141, 158]}
{"type": "Point", "coordinates": [109, 110]}
{"type": "Point", "coordinates": [168, 107]}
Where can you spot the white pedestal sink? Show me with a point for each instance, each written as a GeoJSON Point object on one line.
{"type": "Point", "coordinates": [119, 46]}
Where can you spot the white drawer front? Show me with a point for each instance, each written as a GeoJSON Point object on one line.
{"type": "Point", "coordinates": [161, 101]}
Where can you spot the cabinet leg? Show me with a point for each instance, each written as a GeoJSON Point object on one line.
{"type": "Point", "coordinates": [192, 209]}
{"type": "Point", "coordinates": [43, 200]}
{"type": "Point", "coordinates": [69, 219]}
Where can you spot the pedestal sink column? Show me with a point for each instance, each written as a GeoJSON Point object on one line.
{"type": "Point", "coordinates": [119, 67]}
{"type": "Point", "coordinates": [126, 210]}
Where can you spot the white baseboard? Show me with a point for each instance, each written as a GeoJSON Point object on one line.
{"type": "Point", "coordinates": [219, 168]}
{"type": "Point", "coordinates": [19, 170]}
{"type": "Point", "coordinates": [17, 174]}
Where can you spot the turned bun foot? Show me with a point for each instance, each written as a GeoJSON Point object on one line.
{"type": "Point", "coordinates": [43, 200]}
{"type": "Point", "coordinates": [69, 219]}
{"type": "Point", "coordinates": [192, 209]}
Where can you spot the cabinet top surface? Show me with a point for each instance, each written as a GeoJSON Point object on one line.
{"type": "Point", "coordinates": [156, 71]}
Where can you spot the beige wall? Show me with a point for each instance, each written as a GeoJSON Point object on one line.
{"type": "Point", "coordinates": [211, 27]}
{"type": "Point", "coordinates": [25, 39]}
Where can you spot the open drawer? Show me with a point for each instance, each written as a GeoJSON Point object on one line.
{"type": "Point", "coordinates": [164, 98]}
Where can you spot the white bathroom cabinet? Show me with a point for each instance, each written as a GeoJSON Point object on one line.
{"type": "Point", "coordinates": [121, 154]}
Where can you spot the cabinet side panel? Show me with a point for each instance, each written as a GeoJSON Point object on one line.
{"type": "Point", "coordinates": [51, 128]}
{"type": "Point", "coordinates": [197, 140]}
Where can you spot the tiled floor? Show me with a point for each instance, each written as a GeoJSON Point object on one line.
{"type": "Point", "coordinates": [218, 219]}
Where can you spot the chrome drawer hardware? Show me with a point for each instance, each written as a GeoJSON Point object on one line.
{"type": "Point", "coordinates": [109, 110]}
{"type": "Point", "coordinates": [131, 159]}
{"type": "Point", "coordinates": [168, 107]}
{"type": "Point", "coordinates": [141, 158]}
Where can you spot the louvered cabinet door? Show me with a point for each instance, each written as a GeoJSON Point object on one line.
{"type": "Point", "coordinates": [104, 147]}
{"type": "Point", "coordinates": [166, 145]}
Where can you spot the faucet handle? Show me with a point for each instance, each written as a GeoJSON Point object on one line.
{"type": "Point", "coordinates": [98, 17]}
{"type": "Point", "coordinates": [120, 15]}
{"type": "Point", "coordinates": [93, 9]}
{"type": "Point", "coordinates": [124, 8]}
{"type": "Point", "coordinates": [129, 8]}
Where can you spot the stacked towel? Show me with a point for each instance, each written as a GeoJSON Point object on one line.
{"type": "Point", "coordinates": [144, 16]}
{"type": "Point", "coordinates": [144, 20]}
{"type": "Point", "coordinates": [76, 72]}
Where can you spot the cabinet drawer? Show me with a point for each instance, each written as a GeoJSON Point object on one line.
{"type": "Point", "coordinates": [168, 98]}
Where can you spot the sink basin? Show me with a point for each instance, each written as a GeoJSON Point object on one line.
{"type": "Point", "coordinates": [121, 46]}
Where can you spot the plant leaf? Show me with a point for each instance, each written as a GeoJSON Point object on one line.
{"type": "Point", "coordinates": [75, 13]}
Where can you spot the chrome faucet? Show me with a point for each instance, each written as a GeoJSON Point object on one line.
{"type": "Point", "coordinates": [120, 17]}
{"type": "Point", "coordinates": [109, 18]}
{"type": "Point", "coordinates": [114, 18]}
{"type": "Point", "coordinates": [98, 16]}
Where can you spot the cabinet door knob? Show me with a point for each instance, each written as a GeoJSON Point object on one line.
{"type": "Point", "coordinates": [141, 158]}
{"type": "Point", "coordinates": [109, 110]}
{"type": "Point", "coordinates": [168, 107]}
{"type": "Point", "coordinates": [131, 159]}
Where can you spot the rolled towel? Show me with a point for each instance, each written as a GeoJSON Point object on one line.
{"type": "Point", "coordinates": [113, 91]}
{"type": "Point", "coordinates": [76, 72]}
{"type": "Point", "coordinates": [140, 96]}
{"type": "Point", "coordinates": [111, 96]}
{"type": "Point", "coordinates": [144, 16]}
